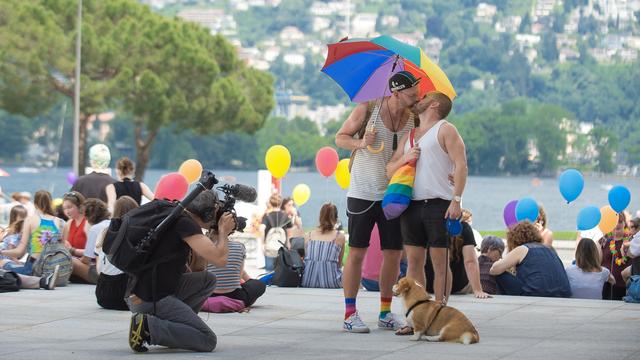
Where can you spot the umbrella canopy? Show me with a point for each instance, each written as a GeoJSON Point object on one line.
{"type": "Point", "coordinates": [362, 67]}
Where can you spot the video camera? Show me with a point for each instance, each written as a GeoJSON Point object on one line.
{"type": "Point", "coordinates": [231, 194]}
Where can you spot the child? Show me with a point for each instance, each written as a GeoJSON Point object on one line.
{"type": "Point", "coordinates": [13, 233]}
{"type": "Point", "coordinates": [586, 276]}
{"type": "Point", "coordinates": [491, 251]}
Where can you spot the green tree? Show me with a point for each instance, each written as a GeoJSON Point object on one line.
{"type": "Point", "coordinates": [606, 144]}
{"type": "Point", "coordinates": [548, 47]}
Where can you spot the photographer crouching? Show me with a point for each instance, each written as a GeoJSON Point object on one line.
{"type": "Point", "coordinates": [166, 309]}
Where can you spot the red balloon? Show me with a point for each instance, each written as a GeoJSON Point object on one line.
{"type": "Point", "coordinates": [327, 161]}
{"type": "Point", "coordinates": [172, 186]}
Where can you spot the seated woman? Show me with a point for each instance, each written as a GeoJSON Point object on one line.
{"type": "Point", "coordinates": [112, 282]}
{"type": "Point", "coordinates": [614, 247]}
{"type": "Point", "coordinates": [586, 276]}
{"type": "Point", "coordinates": [11, 239]}
{"type": "Point", "coordinates": [491, 251]}
{"type": "Point", "coordinates": [231, 280]}
{"type": "Point", "coordinates": [75, 230]}
{"type": "Point", "coordinates": [541, 224]}
{"type": "Point", "coordinates": [97, 216]}
{"type": "Point", "coordinates": [539, 270]}
{"type": "Point", "coordinates": [464, 265]}
{"type": "Point", "coordinates": [37, 230]}
{"type": "Point", "coordinates": [125, 170]}
{"type": "Point", "coordinates": [324, 247]}
{"type": "Point", "coordinates": [12, 234]}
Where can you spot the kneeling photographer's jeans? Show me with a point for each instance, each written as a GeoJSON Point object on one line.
{"type": "Point", "coordinates": [176, 322]}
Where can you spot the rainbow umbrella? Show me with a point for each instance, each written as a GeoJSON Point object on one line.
{"type": "Point", "coordinates": [362, 67]}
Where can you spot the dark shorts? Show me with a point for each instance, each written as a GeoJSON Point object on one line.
{"type": "Point", "coordinates": [361, 223]}
{"type": "Point", "coordinates": [423, 223]}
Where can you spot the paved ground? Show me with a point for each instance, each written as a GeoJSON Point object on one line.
{"type": "Point", "coordinates": [305, 324]}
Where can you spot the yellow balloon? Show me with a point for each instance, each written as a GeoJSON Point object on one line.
{"type": "Point", "coordinates": [301, 194]}
{"type": "Point", "coordinates": [191, 170]}
{"type": "Point", "coordinates": [56, 202]}
{"type": "Point", "coordinates": [278, 160]}
{"type": "Point", "coordinates": [343, 176]}
{"type": "Point", "coordinates": [608, 219]}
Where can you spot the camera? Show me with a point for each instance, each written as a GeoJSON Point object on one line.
{"type": "Point", "coordinates": [231, 194]}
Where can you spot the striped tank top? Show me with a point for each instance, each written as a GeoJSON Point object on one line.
{"type": "Point", "coordinates": [47, 231]}
{"type": "Point", "coordinates": [228, 277]}
{"type": "Point", "coordinates": [321, 265]}
{"type": "Point", "coordinates": [369, 171]}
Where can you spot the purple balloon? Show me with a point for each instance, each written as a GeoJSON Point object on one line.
{"type": "Point", "coordinates": [509, 213]}
{"type": "Point", "coordinates": [71, 177]}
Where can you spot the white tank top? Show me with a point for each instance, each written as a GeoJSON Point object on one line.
{"type": "Point", "coordinates": [369, 171]}
{"type": "Point", "coordinates": [433, 167]}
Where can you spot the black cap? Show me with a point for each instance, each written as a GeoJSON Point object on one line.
{"type": "Point", "coordinates": [402, 80]}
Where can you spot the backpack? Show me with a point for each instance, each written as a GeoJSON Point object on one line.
{"type": "Point", "coordinates": [633, 290]}
{"type": "Point", "coordinates": [275, 239]}
{"type": "Point", "coordinates": [9, 281]}
{"type": "Point", "coordinates": [288, 269]}
{"type": "Point", "coordinates": [52, 254]}
{"type": "Point", "coordinates": [130, 242]}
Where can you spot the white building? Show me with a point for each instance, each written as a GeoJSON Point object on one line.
{"type": "Point", "coordinates": [364, 24]}
{"type": "Point", "coordinates": [485, 13]}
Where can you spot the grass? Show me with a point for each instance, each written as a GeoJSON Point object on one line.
{"type": "Point", "coordinates": [557, 235]}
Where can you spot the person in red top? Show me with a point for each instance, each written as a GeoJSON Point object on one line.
{"type": "Point", "coordinates": [75, 230]}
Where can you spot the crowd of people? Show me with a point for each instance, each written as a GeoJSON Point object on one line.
{"type": "Point", "coordinates": [47, 246]}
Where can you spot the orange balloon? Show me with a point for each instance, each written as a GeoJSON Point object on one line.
{"type": "Point", "coordinates": [191, 170]}
{"type": "Point", "coordinates": [608, 219]}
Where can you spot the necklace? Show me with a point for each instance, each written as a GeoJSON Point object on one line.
{"type": "Point", "coordinates": [394, 128]}
{"type": "Point", "coordinates": [618, 258]}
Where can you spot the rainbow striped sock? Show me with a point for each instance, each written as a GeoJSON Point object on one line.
{"type": "Point", "coordinates": [350, 307]}
{"type": "Point", "coordinates": [385, 306]}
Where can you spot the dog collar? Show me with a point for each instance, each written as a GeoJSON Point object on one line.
{"type": "Point", "coordinates": [420, 302]}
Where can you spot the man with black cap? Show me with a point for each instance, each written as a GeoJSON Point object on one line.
{"type": "Point", "coordinates": [385, 120]}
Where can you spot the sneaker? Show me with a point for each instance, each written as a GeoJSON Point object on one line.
{"type": "Point", "coordinates": [390, 322]}
{"type": "Point", "coordinates": [138, 333]}
{"type": "Point", "coordinates": [49, 282]}
{"type": "Point", "coordinates": [354, 324]}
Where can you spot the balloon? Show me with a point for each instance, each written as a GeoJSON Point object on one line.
{"type": "Point", "coordinates": [326, 161]}
{"type": "Point", "coordinates": [56, 202]}
{"type": "Point", "coordinates": [527, 209]}
{"type": "Point", "coordinates": [571, 184]}
{"type": "Point", "coordinates": [172, 186]}
{"type": "Point", "coordinates": [301, 194]}
{"type": "Point", "coordinates": [191, 170]}
{"type": "Point", "coordinates": [509, 213]}
{"type": "Point", "coordinates": [343, 176]}
{"type": "Point", "coordinates": [619, 198]}
{"type": "Point", "coordinates": [71, 177]}
{"type": "Point", "coordinates": [588, 218]}
{"type": "Point", "coordinates": [608, 219]}
{"type": "Point", "coordinates": [278, 160]}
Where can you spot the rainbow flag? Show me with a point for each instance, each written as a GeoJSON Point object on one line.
{"type": "Point", "coordinates": [400, 189]}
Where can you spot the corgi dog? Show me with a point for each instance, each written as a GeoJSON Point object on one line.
{"type": "Point", "coordinates": [430, 318]}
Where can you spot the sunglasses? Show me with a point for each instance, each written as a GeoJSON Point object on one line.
{"type": "Point", "coordinates": [72, 194]}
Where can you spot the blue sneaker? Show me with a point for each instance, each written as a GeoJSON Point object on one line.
{"type": "Point", "coordinates": [390, 322]}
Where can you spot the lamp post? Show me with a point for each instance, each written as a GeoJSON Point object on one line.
{"type": "Point", "coordinates": [76, 97]}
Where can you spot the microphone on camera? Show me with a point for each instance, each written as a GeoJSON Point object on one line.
{"type": "Point", "coordinates": [243, 192]}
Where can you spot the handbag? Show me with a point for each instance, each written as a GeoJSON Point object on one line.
{"type": "Point", "coordinates": [400, 190]}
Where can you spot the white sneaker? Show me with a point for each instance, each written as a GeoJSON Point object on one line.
{"type": "Point", "coordinates": [390, 322]}
{"type": "Point", "coordinates": [49, 282]}
{"type": "Point", "coordinates": [354, 324]}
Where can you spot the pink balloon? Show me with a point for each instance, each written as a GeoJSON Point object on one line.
{"type": "Point", "coordinates": [327, 161]}
{"type": "Point", "coordinates": [172, 186]}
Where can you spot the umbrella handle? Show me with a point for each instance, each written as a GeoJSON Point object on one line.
{"type": "Point", "coordinates": [374, 150]}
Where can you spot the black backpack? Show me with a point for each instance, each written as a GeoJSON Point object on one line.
{"type": "Point", "coordinates": [289, 268]}
{"type": "Point", "coordinates": [130, 242]}
{"type": "Point", "coordinates": [9, 281]}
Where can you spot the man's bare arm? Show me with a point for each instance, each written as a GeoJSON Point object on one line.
{"type": "Point", "coordinates": [344, 137]}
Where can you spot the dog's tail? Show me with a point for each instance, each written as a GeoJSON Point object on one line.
{"type": "Point", "coordinates": [469, 337]}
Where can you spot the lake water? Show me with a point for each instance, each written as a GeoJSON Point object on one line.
{"type": "Point", "coordinates": [484, 196]}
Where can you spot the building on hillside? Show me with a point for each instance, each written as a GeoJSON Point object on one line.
{"type": "Point", "coordinates": [432, 48]}
{"type": "Point", "coordinates": [509, 24]}
{"type": "Point", "coordinates": [485, 13]}
{"type": "Point", "coordinates": [290, 35]}
{"type": "Point", "coordinates": [324, 114]}
{"type": "Point", "coordinates": [543, 8]}
{"type": "Point", "coordinates": [320, 23]}
{"type": "Point", "coordinates": [289, 105]}
{"type": "Point", "coordinates": [389, 20]}
{"type": "Point", "coordinates": [216, 20]}
{"type": "Point", "coordinates": [364, 24]}
{"type": "Point", "coordinates": [294, 58]}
